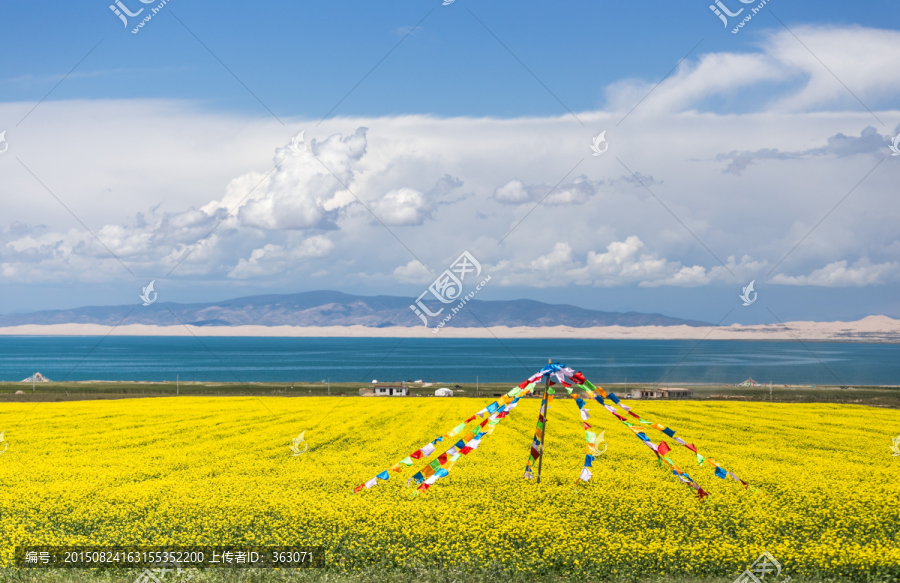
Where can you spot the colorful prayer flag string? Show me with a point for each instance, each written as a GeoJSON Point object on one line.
{"type": "Point", "coordinates": [570, 379]}
{"type": "Point", "coordinates": [495, 411]}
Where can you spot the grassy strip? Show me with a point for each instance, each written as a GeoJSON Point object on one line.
{"type": "Point", "coordinates": [70, 391]}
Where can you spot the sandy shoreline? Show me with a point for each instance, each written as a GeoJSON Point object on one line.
{"type": "Point", "coordinates": [870, 329]}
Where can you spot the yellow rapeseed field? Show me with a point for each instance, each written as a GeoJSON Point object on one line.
{"type": "Point", "coordinates": [181, 471]}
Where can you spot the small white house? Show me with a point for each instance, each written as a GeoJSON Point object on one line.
{"type": "Point", "coordinates": [662, 393]}
{"type": "Point", "coordinates": [398, 391]}
{"type": "Point", "coordinates": [443, 392]}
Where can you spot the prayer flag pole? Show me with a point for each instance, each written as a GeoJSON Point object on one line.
{"type": "Point", "coordinates": [544, 432]}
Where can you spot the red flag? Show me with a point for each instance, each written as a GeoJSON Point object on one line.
{"type": "Point", "coordinates": [634, 415]}
{"type": "Point", "coordinates": [442, 458]}
{"type": "Point", "coordinates": [550, 384]}
{"type": "Point", "coordinates": [485, 422]}
{"type": "Point", "coordinates": [470, 418]}
{"type": "Point", "coordinates": [416, 455]}
{"type": "Point", "coordinates": [586, 426]}
{"type": "Point", "coordinates": [523, 385]}
{"type": "Point", "coordinates": [578, 378]}
{"type": "Point", "coordinates": [358, 488]}
{"type": "Point", "coordinates": [465, 450]}
{"type": "Point", "coordinates": [565, 384]}
{"type": "Point", "coordinates": [663, 448]}
{"type": "Point", "coordinates": [691, 447]}
{"type": "Point", "coordinates": [701, 493]}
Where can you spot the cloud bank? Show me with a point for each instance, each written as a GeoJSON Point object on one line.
{"type": "Point", "coordinates": [389, 201]}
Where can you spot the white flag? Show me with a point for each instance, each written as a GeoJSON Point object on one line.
{"type": "Point", "coordinates": [371, 483]}
{"type": "Point", "coordinates": [585, 474]}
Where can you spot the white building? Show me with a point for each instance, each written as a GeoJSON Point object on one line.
{"type": "Point", "coordinates": [443, 392]}
{"type": "Point", "coordinates": [398, 391]}
{"type": "Point", "coordinates": [662, 393]}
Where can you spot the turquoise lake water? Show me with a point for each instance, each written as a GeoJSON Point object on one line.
{"type": "Point", "coordinates": [133, 358]}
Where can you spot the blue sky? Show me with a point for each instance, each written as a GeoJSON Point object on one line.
{"type": "Point", "coordinates": [301, 58]}
{"type": "Point", "coordinates": [741, 152]}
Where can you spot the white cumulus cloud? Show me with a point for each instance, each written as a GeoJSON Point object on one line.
{"type": "Point", "coordinates": [839, 274]}
{"type": "Point", "coordinates": [276, 258]}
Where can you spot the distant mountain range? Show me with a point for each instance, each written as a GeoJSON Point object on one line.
{"type": "Point", "coordinates": [331, 308]}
